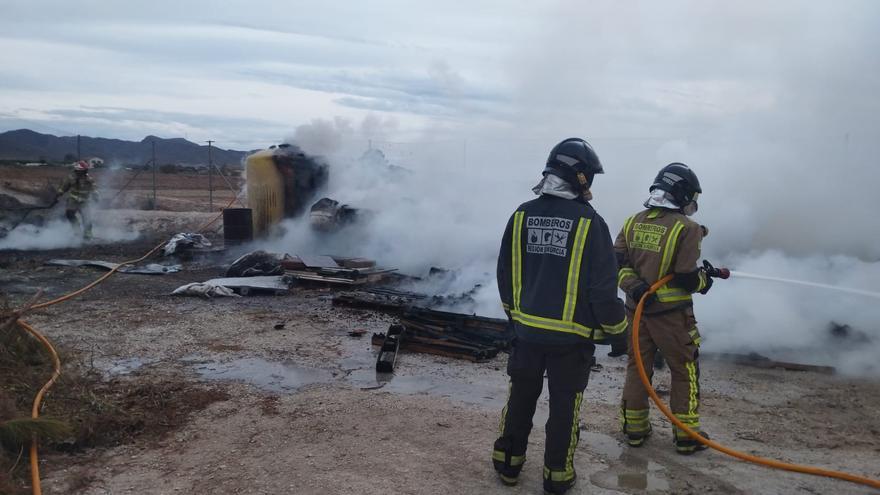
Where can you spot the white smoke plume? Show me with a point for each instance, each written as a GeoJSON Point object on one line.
{"type": "Point", "coordinates": [58, 233]}
{"type": "Point", "coordinates": [448, 210]}
{"type": "Point", "coordinates": [771, 104]}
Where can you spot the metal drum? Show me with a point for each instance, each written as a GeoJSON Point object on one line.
{"type": "Point", "coordinates": [238, 226]}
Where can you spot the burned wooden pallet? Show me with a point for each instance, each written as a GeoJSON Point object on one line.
{"type": "Point", "coordinates": [440, 348]}
{"type": "Point", "coordinates": [488, 331]}
{"type": "Point", "coordinates": [470, 337]}
{"type": "Point", "coordinates": [334, 270]}
{"type": "Point", "coordinates": [379, 299]}
{"type": "Point", "coordinates": [758, 361]}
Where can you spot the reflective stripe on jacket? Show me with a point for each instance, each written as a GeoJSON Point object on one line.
{"type": "Point", "coordinates": [652, 244]}
{"type": "Point", "coordinates": [557, 273]}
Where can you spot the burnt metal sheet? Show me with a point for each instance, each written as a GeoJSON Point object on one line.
{"type": "Point", "coordinates": [277, 284]}
{"type": "Point", "coordinates": [148, 269]}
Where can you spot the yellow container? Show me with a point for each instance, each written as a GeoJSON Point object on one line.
{"type": "Point", "coordinates": [265, 191]}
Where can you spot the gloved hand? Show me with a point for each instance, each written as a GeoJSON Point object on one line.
{"type": "Point", "coordinates": [637, 293]}
{"type": "Point", "coordinates": [709, 282]}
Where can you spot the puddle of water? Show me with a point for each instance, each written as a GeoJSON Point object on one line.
{"type": "Point", "coordinates": [267, 375]}
{"type": "Point", "coordinates": [605, 445]}
{"type": "Point", "coordinates": [639, 473]}
{"type": "Point", "coordinates": [642, 481]}
{"type": "Point", "coordinates": [360, 372]}
{"type": "Point", "coordinates": [357, 371]}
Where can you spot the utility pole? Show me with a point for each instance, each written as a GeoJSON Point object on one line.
{"type": "Point", "coordinates": [210, 178]}
{"type": "Point", "coordinates": [464, 155]}
{"type": "Point", "coordinates": [78, 156]}
{"type": "Point", "coordinates": [154, 173]}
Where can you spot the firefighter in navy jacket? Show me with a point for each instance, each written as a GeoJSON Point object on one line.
{"type": "Point", "coordinates": [557, 277]}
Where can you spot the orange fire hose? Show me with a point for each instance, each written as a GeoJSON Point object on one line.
{"type": "Point", "coordinates": [56, 362]}
{"type": "Point", "coordinates": [35, 410]}
{"type": "Point", "coordinates": [640, 366]}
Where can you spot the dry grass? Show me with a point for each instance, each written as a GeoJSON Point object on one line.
{"type": "Point", "coordinates": [84, 409]}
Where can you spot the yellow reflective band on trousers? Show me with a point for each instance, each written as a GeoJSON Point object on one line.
{"type": "Point", "coordinates": [574, 269]}
{"type": "Point", "coordinates": [516, 269]}
{"type": "Point", "coordinates": [695, 336]}
{"type": "Point", "coordinates": [693, 389]}
{"type": "Point", "coordinates": [634, 420]}
{"type": "Point", "coordinates": [501, 456]}
{"type": "Point", "coordinates": [551, 475]}
{"type": "Point", "coordinates": [504, 409]}
{"type": "Point", "coordinates": [575, 430]}
{"type": "Point", "coordinates": [690, 420]}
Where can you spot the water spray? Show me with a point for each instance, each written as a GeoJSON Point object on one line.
{"type": "Point", "coordinates": [738, 274]}
{"type": "Point", "coordinates": [724, 273]}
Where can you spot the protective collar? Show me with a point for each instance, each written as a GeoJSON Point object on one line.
{"type": "Point", "coordinates": [555, 186]}
{"type": "Point", "coordinates": [662, 199]}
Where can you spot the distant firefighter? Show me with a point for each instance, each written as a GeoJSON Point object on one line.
{"type": "Point", "coordinates": [80, 188]}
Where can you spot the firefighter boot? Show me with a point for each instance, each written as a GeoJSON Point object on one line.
{"type": "Point", "coordinates": [618, 349]}
{"type": "Point", "coordinates": [506, 465]}
{"type": "Point", "coordinates": [687, 445]}
{"type": "Point", "coordinates": [555, 487]}
{"type": "Point", "coordinates": [635, 425]}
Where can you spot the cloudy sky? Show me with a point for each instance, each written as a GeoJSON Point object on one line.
{"type": "Point", "coordinates": [247, 73]}
{"type": "Point", "coordinates": [775, 104]}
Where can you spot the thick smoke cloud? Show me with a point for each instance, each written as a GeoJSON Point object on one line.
{"type": "Point", "coordinates": [770, 104]}
{"type": "Point", "coordinates": [58, 233]}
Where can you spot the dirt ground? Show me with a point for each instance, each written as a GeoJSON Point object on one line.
{"type": "Point", "coordinates": [296, 406]}
{"type": "Point", "coordinates": [125, 188]}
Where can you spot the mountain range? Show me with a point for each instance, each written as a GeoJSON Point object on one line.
{"type": "Point", "coordinates": [27, 145]}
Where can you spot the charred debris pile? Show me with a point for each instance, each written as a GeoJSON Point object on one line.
{"type": "Point", "coordinates": [420, 326]}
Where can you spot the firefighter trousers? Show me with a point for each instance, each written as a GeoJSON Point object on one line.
{"type": "Point", "coordinates": [71, 214]}
{"type": "Point", "coordinates": [568, 371]}
{"type": "Point", "coordinates": [675, 334]}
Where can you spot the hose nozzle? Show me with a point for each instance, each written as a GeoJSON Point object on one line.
{"type": "Point", "coordinates": [713, 272]}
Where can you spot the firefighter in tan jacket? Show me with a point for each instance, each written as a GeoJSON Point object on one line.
{"type": "Point", "coordinates": [80, 189]}
{"type": "Point", "coordinates": [653, 243]}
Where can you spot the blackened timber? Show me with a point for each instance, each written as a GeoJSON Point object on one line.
{"type": "Point", "coordinates": [758, 361]}
{"type": "Point", "coordinates": [389, 346]}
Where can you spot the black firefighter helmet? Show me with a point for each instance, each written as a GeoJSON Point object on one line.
{"type": "Point", "coordinates": [575, 162]}
{"type": "Point", "coordinates": [680, 182]}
